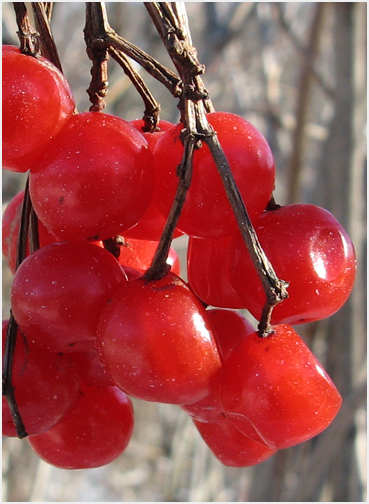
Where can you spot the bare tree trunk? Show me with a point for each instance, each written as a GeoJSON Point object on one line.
{"type": "Point", "coordinates": [325, 468]}
{"type": "Point", "coordinates": [302, 108]}
{"type": "Point", "coordinates": [340, 188]}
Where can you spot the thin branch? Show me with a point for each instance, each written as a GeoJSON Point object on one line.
{"type": "Point", "coordinates": [49, 7]}
{"type": "Point", "coordinates": [24, 227]}
{"type": "Point", "coordinates": [97, 50]}
{"type": "Point", "coordinates": [11, 335]}
{"type": "Point", "coordinates": [184, 57]}
{"type": "Point", "coordinates": [8, 389]}
{"type": "Point", "coordinates": [274, 288]}
{"type": "Point", "coordinates": [46, 39]}
{"type": "Point", "coordinates": [34, 240]}
{"type": "Point", "coordinates": [177, 40]}
{"type": "Point", "coordinates": [28, 37]}
{"type": "Point", "coordinates": [101, 39]}
{"type": "Point", "coordinates": [159, 267]}
{"type": "Point", "coordinates": [168, 78]}
{"type": "Point", "coordinates": [152, 107]}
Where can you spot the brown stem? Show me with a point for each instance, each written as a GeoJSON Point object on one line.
{"type": "Point", "coordinates": [28, 37]}
{"type": "Point", "coordinates": [159, 267]}
{"type": "Point", "coordinates": [34, 239]}
{"type": "Point", "coordinates": [110, 244]}
{"type": "Point", "coordinates": [171, 23]}
{"type": "Point", "coordinates": [274, 288]}
{"type": "Point", "coordinates": [11, 335]}
{"type": "Point", "coordinates": [8, 389]}
{"type": "Point", "coordinates": [102, 40]}
{"type": "Point", "coordinates": [48, 6]}
{"type": "Point", "coordinates": [272, 205]}
{"type": "Point", "coordinates": [266, 273]}
{"type": "Point", "coordinates": [46, 39]}
{"type": "Point", "coordinates": [152, 107]}
{"type": "Point", "coordinates": [24, 226]}
{"type": "Point", "coordinates": [177, 40]}
{"type": "Point", "coordinates": [168, 78]}
{"type": "Point", "coordinates": [97, 50]}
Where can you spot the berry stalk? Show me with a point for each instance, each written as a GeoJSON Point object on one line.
{"type": "Point", "coordinates": [171, 22]}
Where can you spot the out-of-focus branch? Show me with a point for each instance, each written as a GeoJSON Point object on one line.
{"type": "Point", "coordinates": [304, 52]}
{"type": "Point", "coordinates": [302, 108]}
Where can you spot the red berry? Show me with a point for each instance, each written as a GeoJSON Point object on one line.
{"type": "Point", "coordinates": [95, 430]}
{"type": "Point", "coordinates": [207, 212]}
{"type": "Point", "coordinates": [151, 137]}
{"type": "Point", "coordinates": [45, 385]}
{"type": "Point", "coordinates": [59, 292]}
{"type": "Point", "coordinates": [230, 446]}
{"type": "Point", "coordinates": [275, 391]}
{"type": "Point", "coordinates": [229, 327]}
{"type": "Point", "coordinates": [151, 225]}
{"type": "Point", "coordinates": [155, 342]}
{"type": "Point", "coordinates": [308, 248]}
{"type": "Point", "coordinates": [90, 369]}
{"type": "Point", "coordinates": [138, 255]}
{"type": "Point", "coordinates": [10, 229]}
{"type": "Point", "coordinates": [95, 181]}
{"type": "Point", "coordinates": [36, 103]}
{"type": "Point", "coordinates": [208, 269]}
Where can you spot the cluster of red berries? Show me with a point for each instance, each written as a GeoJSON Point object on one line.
{"type": "Point", "coordinates": [93, 330]}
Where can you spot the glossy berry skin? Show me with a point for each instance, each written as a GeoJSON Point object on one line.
{"type": "Point", "coordinates": [154, 341]}
{"type": "Point", "coordinates": [36, 103]}
{"type": "Point", "coordinates": [95, 181]}
{"type": "Point", "coordinates": [45, 385]}
{"type": "Point", "coordinates": [207, 212]}
{"type": "Point", "coordinates": [151, 225]}
{"type": "Point", "coordinates": [275, 391]}
{"type": "Point", "coordinates": [229, 327]}
{"type": "Point", "coordinates": [59, 292]}
{"type": "Point", "coordinates": [308, 248]}
{"type": "Point", "coordinates": [208, 270]}
{"type": "Point", "coordinates": [138, 255]}
{"type": "Point", "coordinates": [95, 431]}
{"type": "Point", "coordinates": [152, 137]}
{"type": "Point", "coordinates": [10, 231]}
{"type": "Point", "coordinates": [89, 368]}
{"type": "Point", "coordinates": [230, 446]}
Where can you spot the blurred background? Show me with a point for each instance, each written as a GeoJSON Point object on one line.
{"type": "Point", "coordinates": [297, 71]}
